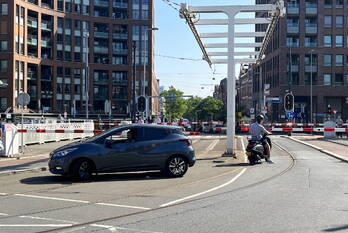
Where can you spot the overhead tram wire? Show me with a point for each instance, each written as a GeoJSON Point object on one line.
{"type": "Point", "coordinates": [179, 58]}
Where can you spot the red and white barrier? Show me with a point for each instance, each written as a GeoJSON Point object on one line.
{"type": "Point", "coordinates": [290, 129]}
{"type": "Point", "coordinates": [58, 131]}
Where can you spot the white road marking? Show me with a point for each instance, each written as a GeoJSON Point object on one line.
{"type": "Point", "coordinates": [74, 229]}
{"type": "Point", "coordinates": [51, 198]}
{"type": "Point", "coordinates": [3, 214]}
{"type": "Point", "coordinates": [3, 194]}
{"type": "Point", "coordinates": [35, 225]}
{"type": "Point", "coordinates": [123, 206]}
{"type": "Point", "coordinates": [212, 145]}
{"type": "Point", "coordinates": [111, 228]}
{"type": "Point", "coordinates": [48, 219]}
{"type": "Point", "coordinates": [195, 141]}
{"type": "Point", "coordinates": [137, 230]}
{"type": "Point", "coordinates": [205, 192]}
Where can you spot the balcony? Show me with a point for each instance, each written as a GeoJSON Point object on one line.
{"type": "Point", "coordinates": [123, 5]}
{"type": "Point", "coordinates": [103, 3]}
{"type": "Point", "coordinates": [46, 25]}
{"type": "Point", "coordinates": [312, 69]}
{"type": "Point", "coordinates": [32, 22]}
{"type": "Point", "coordinates": [293, 28]}
{"type": "Point", "coordinates": [121, 35]}
{"type": "Point", "coordinates": [311, 28]}
{"type": "Point", "coordinates": [32, 40]}
{"type": "Point", "coordinates": [101, 50]}
{"type": "Point", "coordinates": [46, 42]}
{"type": "Point", "coordinates": [294, 68]}
{"type": "Point", "coordinates": [120, 51]}
{"type": "Point", "coordinates": [293, 8]}
{"type": "Point", "coordinates": [311, 8]}
{"type": "Point", "coordinates": [101, 34]}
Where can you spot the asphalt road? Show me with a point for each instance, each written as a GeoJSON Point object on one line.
{"type": "Point", "coordinates": [305, 192]}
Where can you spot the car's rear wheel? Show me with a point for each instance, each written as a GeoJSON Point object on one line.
{"type": "Point", "coordinates": [176, 166]}
{"type": "Point", "coordinates": [82, 169]}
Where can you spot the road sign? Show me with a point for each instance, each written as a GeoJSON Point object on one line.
{"type": "Point", "coordinates": [290, 115]}
{"type": "Point", "coordinates": [23, 99]}
{"type": "Point", "coordinates": [274, 100]}
{"type": "Point", "coordinates": [252, 110]}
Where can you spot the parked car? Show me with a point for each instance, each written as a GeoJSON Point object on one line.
{"type": "Point", "coordinates": [124, 149]}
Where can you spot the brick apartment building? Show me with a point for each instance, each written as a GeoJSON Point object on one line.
{"type": "Point", "coordinates": [43, 52]}
{"type": "Point", "coordinates": [311, 41]}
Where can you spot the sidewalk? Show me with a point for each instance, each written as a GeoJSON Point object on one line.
{"type": "Point", "coordinates": [334, 146]}
{"type": "Point", "coordinates": [35, 156]}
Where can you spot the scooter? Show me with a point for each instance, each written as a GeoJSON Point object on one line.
{"type": "Point", "coordinates": [255, 150]}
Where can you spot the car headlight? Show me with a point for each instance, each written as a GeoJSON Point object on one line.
{"type": "Point", "coordinates": [63, 153]}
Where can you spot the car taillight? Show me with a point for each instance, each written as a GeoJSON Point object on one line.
{"type": "Point", "coordinates": [188, 141]}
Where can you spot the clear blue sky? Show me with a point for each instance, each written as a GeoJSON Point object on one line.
{"type": "Point", "coordinates": [174, 38]}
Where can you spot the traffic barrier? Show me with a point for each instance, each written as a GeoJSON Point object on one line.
{"type": "Point", "coordinates": [337, 130]}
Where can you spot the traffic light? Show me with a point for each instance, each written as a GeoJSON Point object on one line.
{"type": "Point", "coordinates": [141, 103]}
{"type": "Point", "coordinates": [329, 109]}
{"type": "Point", "coordinates": [289, 102]}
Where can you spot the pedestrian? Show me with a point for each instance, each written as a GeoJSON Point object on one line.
{"type": "Point", "coordinates": [2, 147]}
{"type": "Point", "coordinates": [339, 124]}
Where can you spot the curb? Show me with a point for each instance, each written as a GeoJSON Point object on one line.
{"type": "Point", "coordinates": [336, 156]}
{"type": "Point", "coordinates": [4, 159]}
{"type": "Point", "coordinates": [13, 172]}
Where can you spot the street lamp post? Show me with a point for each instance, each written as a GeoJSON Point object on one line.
{"type": "Point", "coordinates": [311, 89]}
{"type": "Point", "coordinates": [86, 52]}
{"type": "Point", "coordinates": [146, 32]}
{"type": "Point", "coordinates": [134, 70]}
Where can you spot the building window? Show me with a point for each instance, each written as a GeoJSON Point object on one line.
{"type": "Point", "coordinates": [3, 65]}
{"type": "Point", "coordinates": [327, 79]}
{"type": "Point", "coordinates": [339, 80]}
{"type": "Point", "coordinates": [3, 46]}
{"type": "Point", "coordinates": [293, 41]}
{"type": "Point", "coordinates": [339, 59]}
{"type": "Point", "coordinates": [310, 78]}
{"type": "Point", "coordinates": [346, 79]}
{"type": "Point", "coordinates": [327, 41]}
{"type": "Point", "coordinates": [3, 103]}
{"type": "Point", "coordinates": [327, 60]}
{"type": "Point", "coordinates": [327, 21]}
{"type": "Point", "coordinates": [339, 3]}
{"type": "Point", "coordinates": [328, 4]}
{"type": "Point", "coordinates": [4, 9]}
{"type": "Point", "coordinates": [311, 41]}
{"type": "Point", "coordinates": [339, 21]}
{"type": "Point", "coordinates": [339, 41]}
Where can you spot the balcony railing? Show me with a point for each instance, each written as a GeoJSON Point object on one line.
{"type": "Point", "coordinates": [293, 8]}
{"type": "Point", "coordinates": [46, 5]}
{"type": "Point", "coordinates": [311, 8]}
{"type": "Point", "coordinates": [309, 68]}
{"type": "Point", "coordinates": [293, 28]}
{"type": "Point", "coordinates": [32, 22]}
{"type": "Point", "coordinates": [46, 42]}
{"type": "Point", "coordinates": [46, 25]}
{"type": "Point", "coordinates": [101, 3]}
{"type": "Point", "coordinates": [120, 51]}
{"type": "Point", "coordinates": [32, 40]}
{"type": "Point", "coordinates": [102, 50]}
{"type": "Point", "coordinates": [120, 35]}
{"type": "Point", "coordinates": [101, 34]}
{"type": "Point", "coordinates": [311, 28]}
{"type": "Point", "coordinates": [120, 5]}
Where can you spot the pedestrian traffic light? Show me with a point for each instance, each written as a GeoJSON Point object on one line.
{"type": "Point", "coordinates": [141, 103]}
{"type": "Point", "coordinates": [289, 102]}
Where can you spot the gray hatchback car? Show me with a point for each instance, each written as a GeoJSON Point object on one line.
{"type": "Point", "coordinates": [124, 149]}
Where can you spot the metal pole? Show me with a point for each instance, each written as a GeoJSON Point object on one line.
{"type": "Point", "coordinates": [231, 89]}
{"type": "Point", "coordinates": [86, 38]}
{"type": "Point", "coordinates": [134, 70]}
{"type": "Point", "coordinates": [311, 98]}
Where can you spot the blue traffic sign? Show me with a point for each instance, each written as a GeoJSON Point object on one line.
{"type": "Point", "coordinates": [290, 115]}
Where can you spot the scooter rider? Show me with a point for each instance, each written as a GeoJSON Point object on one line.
{"type": "Point", "coordinates": [257, 131]}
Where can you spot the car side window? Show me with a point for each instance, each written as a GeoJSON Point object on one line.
{"type": "Point", "coordinates": [154, 134]}
{"type": "Point", "coordinates": [122, 136]}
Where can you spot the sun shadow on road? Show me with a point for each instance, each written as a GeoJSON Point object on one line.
{"type": "Point", "coordinates": [44, 180]}
{"type": "Point", "coordinates": [340, 228]}
{"type": "Point", "coordinates": [233, 165]}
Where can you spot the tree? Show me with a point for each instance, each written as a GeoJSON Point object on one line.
{"type": "Point", "coordinates": [192, 111]}
{"type": "Point", "coordinates": [175, 104]}
{"type": "Point", "coordinates": [210, 107]}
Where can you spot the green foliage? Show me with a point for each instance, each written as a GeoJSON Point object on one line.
{"type": "Point", "coordinates": [175, 105]}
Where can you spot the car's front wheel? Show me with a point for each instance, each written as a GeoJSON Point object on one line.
{"type": "Point", "coordinates": [82, 169]}
{"type": "Point", "coordinates": [176, 166]}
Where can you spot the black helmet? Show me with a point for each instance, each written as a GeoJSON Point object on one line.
{"type": "Point", "coordinates": [259, 118]}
